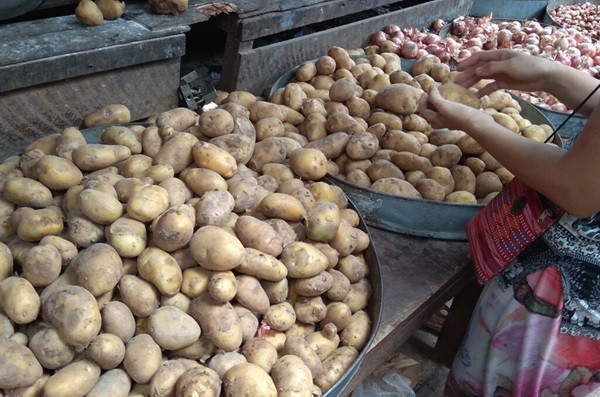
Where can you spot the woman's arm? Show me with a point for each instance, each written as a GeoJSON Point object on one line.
{"type": "Point", "coordinates": [570, 179]}
{"type": "Point", "coordinates": [518, 71]}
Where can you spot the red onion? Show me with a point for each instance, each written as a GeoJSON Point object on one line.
{"type": "Point", "coordinates": [396, 40]}
{"type": "Point", "coordinates": [573, 51]}
{"type": "Point", "coordinates": [432, 48]}
{"type": "Point", "coordinates": [409, 50]}
{"type": "Point", "coordinates": [575, 61]}
{"type": "Point", "coordinates": [421, 53]}
{"type": "Point", "coordinates": [597, 60]}
{"type": "Point", "coordinates": [491, 44]}
{"type": "Point", "coordinates": [519, 37]}
{"type": "Point", "coordinates": [391, 29]}
{"type": "Point", "coordinates": [473, 43]}
{"type": "Point", "coordinates": [565, 60]}
{"type": "Point", "coordinates": [587, 49]}
{"type": "Point", "coordinates": [399, 35]}
{"type": "Point", "coordinates": [438, 24]}
{"type": "Point", "coordinates": [532, 40]}
{"type": "Point", "coordinates": [463, 54]}
{"type": "Point", "coordinates": [559, 107]}
{"type": "Point", "coordinates": [378, 37]}
{"type": "Point", "coordinates": [532, 49]}
{"type": "Point", "coordinates": [442, 54]}
{"type": "Point", "coordinates": [561, 44]}
{"type": "Point", "coordinates": [459, 28]}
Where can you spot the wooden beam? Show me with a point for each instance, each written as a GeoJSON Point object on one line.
{"type": "Point", "coordinates": [261, 66]}
{"type": "Point", "coordinates": [262, 25]}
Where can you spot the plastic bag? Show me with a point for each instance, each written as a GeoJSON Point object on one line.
{"type": "Point", "coordinates": [391, 385]}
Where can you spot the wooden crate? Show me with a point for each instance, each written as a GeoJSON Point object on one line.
{"type": "Point", "coordinates": [252, 68]}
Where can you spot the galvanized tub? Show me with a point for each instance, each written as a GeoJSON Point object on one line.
{"type": "Point", "coordinates": [375, 307]}
{"type": "Point", "coordinates": [417, 217]}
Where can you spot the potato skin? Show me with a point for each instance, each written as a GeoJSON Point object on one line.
{"type": "Point", "coordinates": [117, 319]}
{"type": "Point", "coordinates": [254, 233]}
{"type": "Point", "coordinates": [98, 268]}
{"type": "Point", "coordinates": [173, 329]}
{"type": "Point", "coordinates": [142, 358]}
{"type": "Point", "coordinates": [50, 350]}
{"type": "Point", "coordinates": [19, 300]}
{"type": "Point", "coordinates": [106, 350]}
{"type": "Point", "coordinates": [76, 379]}
{"type": "Point", "coordinates": [303, 260]}
{"type": "Point", "coordinates": [251, 295]}
{"type": "Point", "coordinates": [291, 375]}
{"type": "Point", "coordinates": [260, 352]}
{"type": "Point", "coordinates": [334, 367]}
{"type": "Point", "coordinates": [357, 332]}
{"type": "Point", "coordinates": [18, 367]}
{"type": "Point", "coordinates": [215, 249]}
{"type": "Point", "coordinates": [115, 383]}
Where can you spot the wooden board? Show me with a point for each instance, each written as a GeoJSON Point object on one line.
{"type": "Point", "coordinates": [254, 76]}
{"type": "Point", "coordinates": [31, 113]}
{"type": "Point", "coordinates": [253, 27]}
{"type": "Point", "coordinates": [419, 276]}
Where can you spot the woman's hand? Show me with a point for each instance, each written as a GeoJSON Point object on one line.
{"type": "Point", "coordinates": [441, 113]}
{"type": "Point", "coordinates": [508, 68]}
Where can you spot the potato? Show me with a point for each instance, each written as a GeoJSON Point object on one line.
{"type": "Point", "coordinates": [476, 165]}
{"type": "Point", "coordinates": [251, 295]}
{"type": "Point", "coordinates": [408, 161]}
{"type": "Point", "coordinates": [248, 322]}
{"type": "Point", "coordinates": [139, 295]}
{"type": "Point", "coordinates": [27, 193]}
{"type": "Point", "coordinates": [98, 268]}
{"type": "Point", "coordinates": [343, 122]}
{"type": "Point", "coordinates": [282, 206]}
{"type": "Point", "coordinates": [342, 90]}
{"type": "Point", "coordinates": [70, 139]}
{"type": "Point", "coordinates": [6, 261]}
{"type": "Point", "coordinates": [500, 100]}
{"type": "Point", "coordinates": [358, 296]}
{"type": "Point", "coordinates": [202, 349]}
{"type": "Point", "coordinates": [303, 260]}
{"type": "Point", "coordinates": [254, 233]}
{"type": "Point", "coordinates": [18, 367]}
{"type": "Point", "coordinates": [335, 366]}
{"type": "Point", "coordinates": [115, 383]}
{"type": "Point", "coordinates": [387, 99]}
{"type": "Point", "coordinates": [261, 265]}
{"type": "Point", "coordinates": [152, 141]}
{"type": "Point", "coordinates": [173, 329]}
{"type": "Point", "coordinates": [127, 236]}
{"type": "Point", "coordinates": [177, 151]}
{"type": "Point", "coordinates": [446, 156]}
{"type": "Point", "coordinates": [383, 169]}
{"type": "Point", "coordinates": [50, 350]}
{"type": "Point", "coordinates": [535, 132]}
{"type": "Point", "coordinates": [440, 72]}
{"type": "Point", "coordinates": [486, 183]}
{"type": "Point", "coordinates": [92, 157]}
{"type": "Point", "coordinates": [75, 314]}
{"type": "Point", "coordinates": [291, 376]}
{"type": "Point", "coordinates": [57, 173]}
{"type": "Point", "coordinates": [99, 206]}
{"type": "Point", "coordinates": [325, 65]}
{"type": "Point", "coordinates": [323, 221]}
{"type": "Point", "coordinates": [461, 197]}
{"type": "Point", "coordinates": [310, 310]}
{"type": "Point", "coordinates": [178, 300]}
{"type": "Point", "coordinates": [223, 362]}
{"type": "Point", "coordinates": [362, 146]}
{"type": "Point", "coordinates": [504, 175]}
{"type": "Point", "coordinates": [332, 146]}
{"type": "Point", "coordinates": [396, 186]}
{"type": "Point", "coordinates": [468, 145]}
{"type": "Point", "coordinates": [310, 164]}
{"type": "Point", "coordinates": [41, 265]}
{"type": "Point", "coordinates": [76, 379]}
{"type": "Point", "coordinates": [106, 350]}
{"type": "Point", "coordinates": [142, 358]}
{"type": "Point", "coordinates": [445, 136]}
{"type": "Point", "coordinates": [246, 194]}
{"type": "Point", "coordinates": [248, 380]}
{"type": "Point", "coordinates": [147, 203]}
{"type": "Point", "coordinates": [324, 342]}
{"type": "Point", "coordinates": [215, 249]}
{"type": "Point", "coordinates": [215, 122]}
{"type": "Point", "coordinates": [457, 93]}
{"type": "Point", "coordinates": [425, 81]}
{"type": "Point", "coordinates": [491, 164]}
{"type": "Point", "coordinates": [118, 135]}
{"type": "Point", "coordinates": [173, 229]}
{"type": "Point", "coordinates": [207, 155]}
{"type": "Point", "coordinates": [179, 119]}
{"type": "Point", "coordinates": [19, 300]}
{"type": "Point", "coordinates": [357, 332]}
{"type": "Point", "coordinates": [443, 176]}
{"type": "Point", "coordinates": [118, 320]}
{"type": "Point", "coordinates": [198, 381]}
{"type": "Point", "coordinates": [222, 286]}
{"type": "Point", "coordinates": [314, 286]}
{"type": "Point", "coordinates": [400, 141]}
{"type": "Point", "coordinates": [280, 317]}
{"type": "Point", "coordinates": [218, 321]}
{"type": "Point", "coordinates": [464, 178]}
{"type": "Point", "coordinates": [110, 114]}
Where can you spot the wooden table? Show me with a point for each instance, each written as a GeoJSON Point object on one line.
{"type": "Point", "coordinates": [419, 276]}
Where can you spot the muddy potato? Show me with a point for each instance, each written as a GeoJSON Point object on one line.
{"type": "Point", "coordinates": [339, 314]}
{"type": "Point", "coordinates": [18, 367]}
{"type": "Point", "coordinates": [118, 320]}
{"type": "Point", "coordinates": [457, 93]}
{"type": "Point", "coordinates": [139, 295]}
{"type": "Point", "coordinates": [50, 350]}
{"type": "Point", "coordinates": [310, 310]}
{"type": "Point", "coordinates": [222, 286]}
{"type": "Point", "coordinates": [207, 155]}
{"type": "Point", "coordinates": [303, 260]}
{"type": "Point", "coordinates": [57, 173]}
{"type": "Point", "coordinates": [396, 186]}
{"type": "Point", "coordinates": [98, 268]}
{"type": "Point", "coordinates": [215, 249]}
{"type": "Point", "coordinates": [362, 146]}
{"type": "Point", "coordinates": [461, 197]}
{"type": "Point", "coordinates": [313, 286]}
{"type": "Point", "coordinates": [486, 183]}
{"type": "Point", "coordinates": [323, 221]}
{"type": "Point", "coordinates": [215, 122]}
{"type": "Point", "coordinates": [161, 269]}
{"type": "Point", "coordinates": [277, 291]}
{"type": "Point", "coordinates": [334, 366]}
{"type": "Point", "coordinates": [353, 267]}
{"type": "Point", "coordinates": [445, 136]}
{"type": "Point", "coordinates": [332, 146]}
{"type": "Point", "coordinates": [223, 362]}
{"type": "Point", "coordinates": [179, 119]}
{"type": "Point", "coordinates": [106, 350]}
{"type": "Point", "coordinates": [310, 164]}
{"type": "Point", "coordinates": [254, 233]}
{"type": "Point", "coordinates": [383, 169]}
{"type": "Point", "coordinates": [387, 99]}
{"type": "Point", "coordinates": [251, 295]}
{"type": "Point", "coordinates": [325, 341]}
{"type": "Point", "coordinates": [173, 229]}
{"type": "Point", "coordinates": [115, 383]}
{"type": "Point", "coordinates": [443, 176]}
{"type": "Point", "coordinates": [248, 322]}
{"type": "Point", "coordinates": [198, 381]}
{"type": "Point", "coordinates": [325, 65]}
{"type": "Point", "coordinates": [358, 296]}
{"type": "Point", "coordinates": [27, 193]}
{"type": "Point", "coordinates": [425, 81]}
{"type": "Point", "coordinates": [176, 151]}
{"type": "Point", "coordinates": [280, 317]}
{"type": "Point", "coordinates": [446, 156]}
{"type": "Point", "coordinates": [147, 203]}
{"type": "Point", "coordinates": [142, 358]}
{"type": "Point", "coordinates": [110, 114]}
{"type": "Point", "coordinates": [400, 141]}
{"type": "Point", "coordinates": [282, 206]}
{"type": "Point", "coordinates": [218, 321]}
{"type": "Point", "coordinates": [70, 139]}
{"type": "Point", "coordinates": [127, 236]}
{"type": "Point", "coordinates": [19, 300]}
{"type": "Point", "coordinates": [99, 206]}
{"type": "Point", "coordinates": [291, 376]}
{"type": "Point", "coordinates": [343, 122]}
{"type": "Point", "coordinates": [464, 178]}
{"type": "Point", "coordinates": [118, 135]}
{"type": "Point", "coordinates": [36, 224]}
{"type": "Point", "coordinates": [75, 314]}
{"type": "Point", "coordinates": [92, 157]}
{"type": "Point", "coordinates": [342, 90]}
{"type": "Point", "coordinates": [357, 332]}
{"type": "Point", "coordinates": [476, 165]}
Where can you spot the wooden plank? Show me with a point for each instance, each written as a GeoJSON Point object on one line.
{"type": "Point", "coordinates": [262, 25]}
{"type": "Point", "coordinates": [25, 41]}
{"type": "Point", "coordinates": [280, 57]}
{"type": "Point", "coordinates": [419, 276]}
{"type": "Point", "coordinates": [31, 113]}
{"type": "Point", "coordinates": [54, 68]}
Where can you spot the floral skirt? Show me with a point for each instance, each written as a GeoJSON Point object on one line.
{"type": "Point", "coordinates": [514, 347]}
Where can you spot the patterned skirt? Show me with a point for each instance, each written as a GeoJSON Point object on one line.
{"type": "Point", "coordinates": [515, 347]}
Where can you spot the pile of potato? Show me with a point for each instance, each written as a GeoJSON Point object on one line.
{"type": "Point", "coordinates": [184, 258]}
{"type": "Point", "coordinates": [362, 114]}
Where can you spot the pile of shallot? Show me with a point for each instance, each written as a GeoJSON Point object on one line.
{"type": "Point", "coordinates": [468, 35]}
{"type": "Point", "coordinates": [585, 17]}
